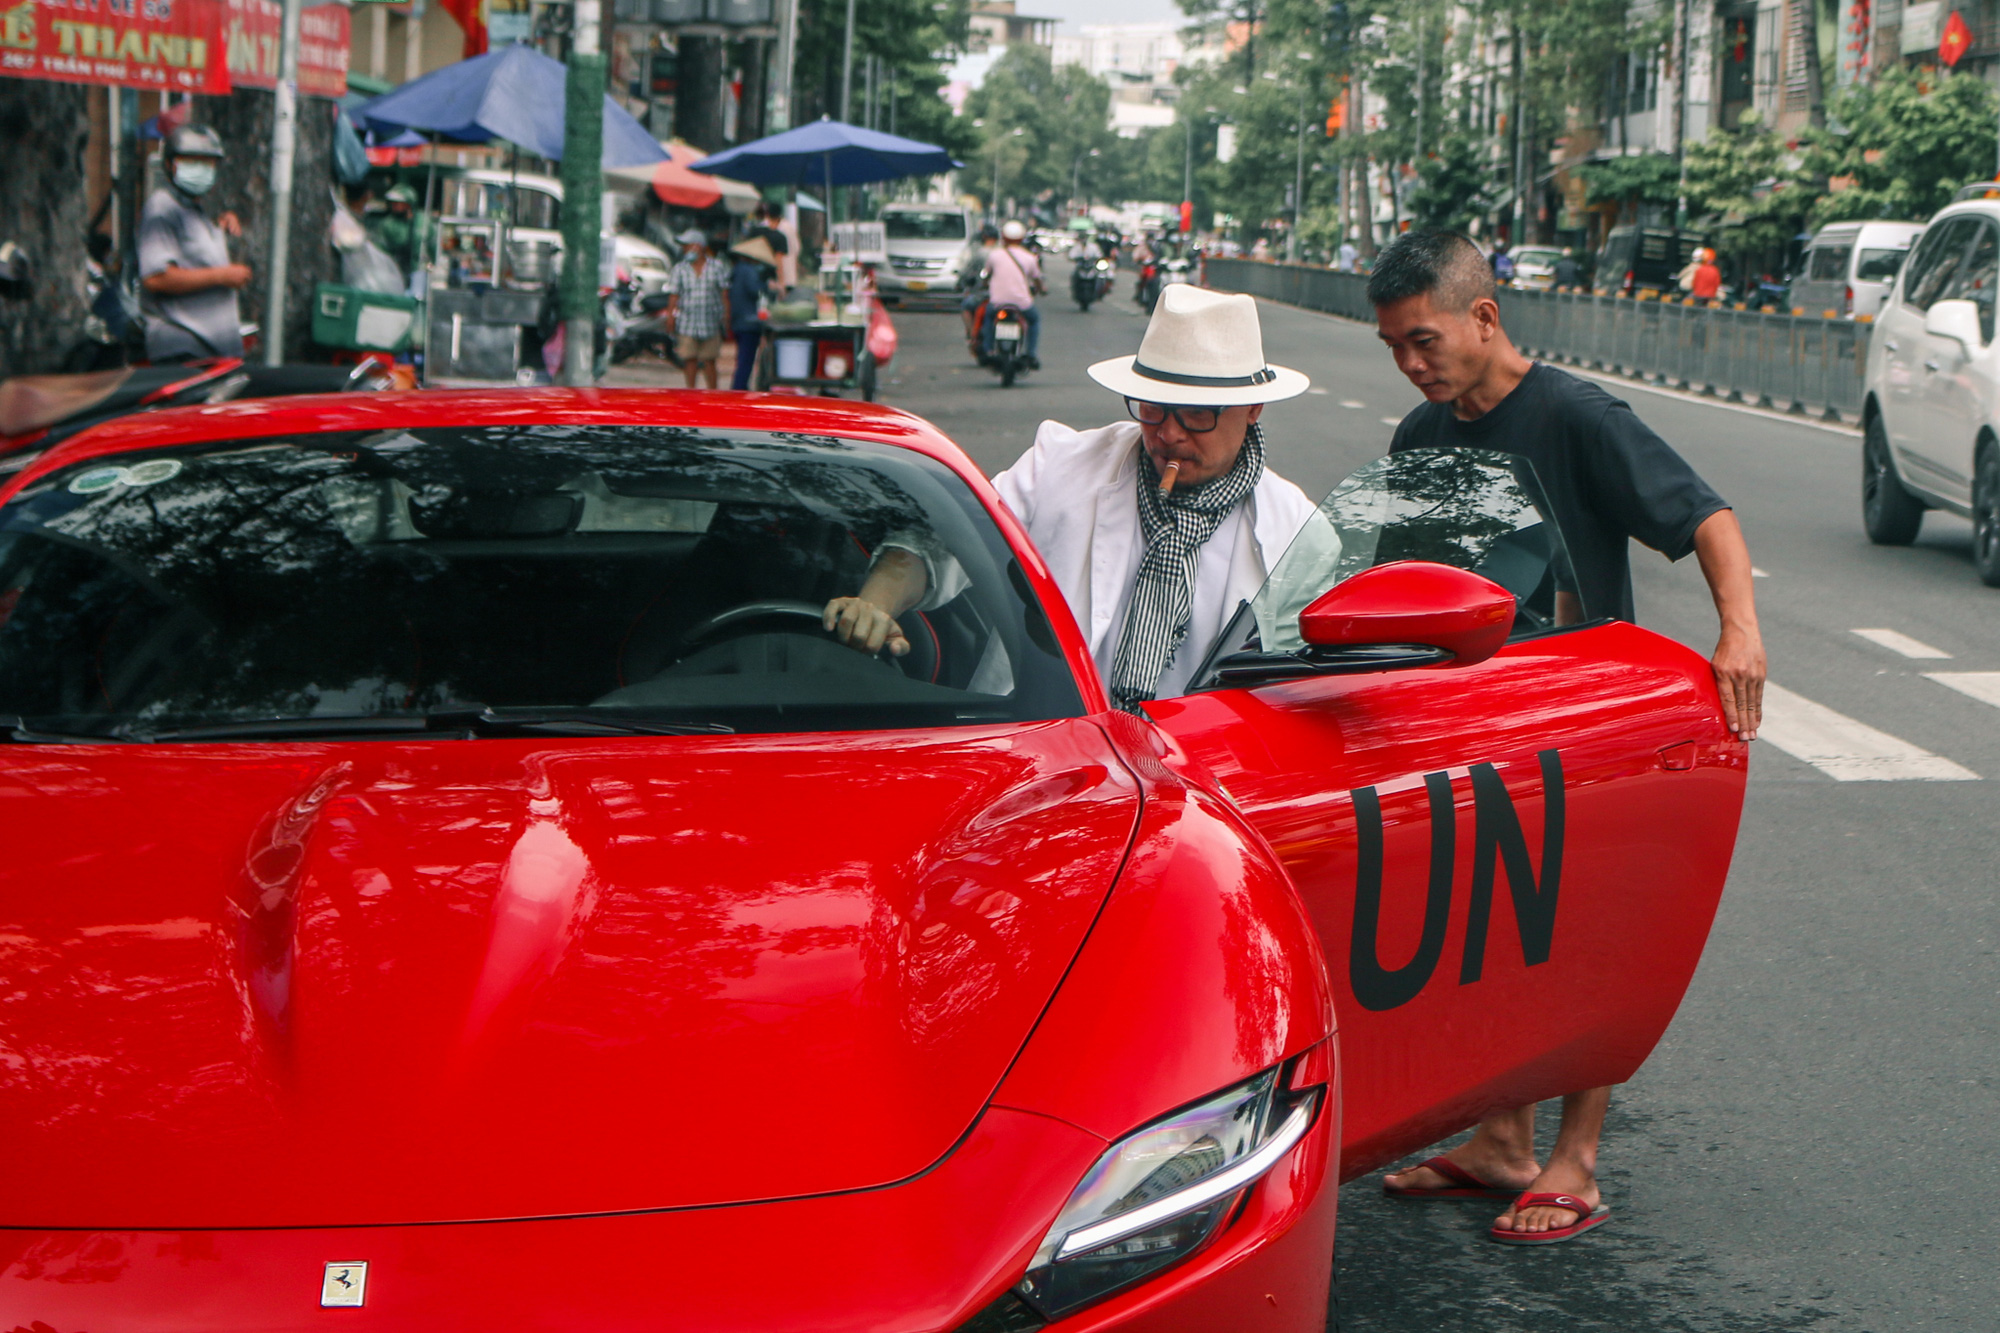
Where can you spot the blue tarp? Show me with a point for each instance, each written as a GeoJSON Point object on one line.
{"type": "Point", "coordinates": [516, 94]}
{"type": "Point", "coordinates": [827, 153]}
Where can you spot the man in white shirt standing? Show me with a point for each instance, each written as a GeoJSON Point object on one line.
{"type": "Point", "coordinates": [1156, 529]}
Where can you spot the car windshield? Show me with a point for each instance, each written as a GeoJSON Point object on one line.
{"type": "Point", "coordinates": [940, 226]}
{"type": "Point", "coordinates": [593, 577]}
{"type": "Point", "coordinates": [1473, 509]}
{"type": "Point", "coordinates": [1880, 265]}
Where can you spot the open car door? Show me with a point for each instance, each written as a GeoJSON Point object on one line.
{"type": "Point", "coordinates": [1513, 862]}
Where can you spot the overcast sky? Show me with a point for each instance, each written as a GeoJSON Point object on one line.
{"type": "Point", "coordinates": [1076, 12]}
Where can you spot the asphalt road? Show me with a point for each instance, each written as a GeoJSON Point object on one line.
{"type": "Point", "coordinates": [1816, 1143]}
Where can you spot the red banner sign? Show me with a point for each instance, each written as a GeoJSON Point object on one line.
{"type": "Point", "coordinates": [173, 45]}
{"type": "Point", "coordinates": [252, 33]}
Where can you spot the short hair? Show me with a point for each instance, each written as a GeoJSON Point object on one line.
{"type": "Point", "coordinates": [1444, 265]}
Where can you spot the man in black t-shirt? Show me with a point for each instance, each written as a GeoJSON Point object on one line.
{"type": "Point", "coordinates": [1609, 480]}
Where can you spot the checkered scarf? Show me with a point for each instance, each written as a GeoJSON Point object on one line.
{"type": "Point", "coordinates": [1177, 526]}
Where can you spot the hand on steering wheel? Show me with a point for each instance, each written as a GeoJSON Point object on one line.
{"type": "Point", "coordinates": [864, 626]}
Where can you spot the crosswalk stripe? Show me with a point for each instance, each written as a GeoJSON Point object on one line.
{"type": "Point", "coordinates": [1897, 642]}
{"type": "Point", "coordinates": [1981, 685]}
{"type": "Point", "coordinates": [1846, 750]}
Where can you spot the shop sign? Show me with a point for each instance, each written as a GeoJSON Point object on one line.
{"type": "Point", "coordinates": [169, 45]}
{"type": "Point", "coordinates": [252, 33]}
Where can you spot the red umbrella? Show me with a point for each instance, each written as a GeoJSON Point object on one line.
{"type": "Point", "coordinates": [682, 188]}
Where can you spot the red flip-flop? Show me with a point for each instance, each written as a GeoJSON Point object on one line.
{"type": "Point", "coordinates": [1464, 1185]}
{"type": "Point", "coordinates": [1586, 1218]}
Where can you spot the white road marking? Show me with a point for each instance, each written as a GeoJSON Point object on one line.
{"type": "Point", "coordinates": [1846, 750]}
{"type": "Point", "coordinates": [1900, 643]}
{"type": "Point", "coordinates": [1757, 573]}
{"type": "Point", "coordinates": [1392, 421]}
{"type": "Point", "coordinates": [1352, 402]}
{"type": "Point", "coordinates": [1981, 685]}
{"type": "Point", "coordinates": [1321, 392]}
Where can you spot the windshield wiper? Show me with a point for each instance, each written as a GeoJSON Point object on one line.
{"type": "Point", "coordinates": [467, 718]}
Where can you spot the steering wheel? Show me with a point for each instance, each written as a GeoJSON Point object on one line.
{"type": "Point", "coordinates": [920, 663]}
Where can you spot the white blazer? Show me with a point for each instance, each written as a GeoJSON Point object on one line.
{"type": "Point", "coordinates": [1076, 492]}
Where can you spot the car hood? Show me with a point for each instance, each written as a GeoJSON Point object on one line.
{"type": "Point", "coordinates": [281, 985]}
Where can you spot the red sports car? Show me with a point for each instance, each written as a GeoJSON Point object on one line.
{"type": "Point", "coordinates": [454, 881]}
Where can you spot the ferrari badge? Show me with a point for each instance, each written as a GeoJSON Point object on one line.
{"type": "Point", "coordinates": [343, 1285]}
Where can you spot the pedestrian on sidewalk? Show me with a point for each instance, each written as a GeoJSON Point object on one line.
{"type": "Point", "coordinates": [1609, 479]}
{"type": "Point", "coordinates": [698, 307]}
{"type": "Point", "coordinates": [187, 281]}
{"type": "Point", "coordinates": [749, 284]}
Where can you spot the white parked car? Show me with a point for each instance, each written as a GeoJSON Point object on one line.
{"type": "Point", "coordinates": [1535, 266]}
{"type": "Point", "coordinates": [1931, 413]}
{"type": "Point", "coordinates": [645, 261]}
{"type": "Point", "coordinates": [927, 246]}
{"type": "Point", "coordinates": [1850, 266]}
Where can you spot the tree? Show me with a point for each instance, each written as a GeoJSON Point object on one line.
{"type": "Point", "coordinates": [1903, 146]}
{"type": "Point", "coordinates": [1452, 184]}
{"type": "Point", "coordinates": [1648, 178]}
{"type": "Point", "coordinates": [1038, 127]}
{"type": "Point", "coordinates": [43, 129]}
{"type": "Point", "coordinates": [913, 38]}
{"type": "Point", "coordinates": [1748, 179]}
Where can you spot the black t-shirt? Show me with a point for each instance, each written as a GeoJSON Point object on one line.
{"type": "Point", "coordinates": [1606, 474]}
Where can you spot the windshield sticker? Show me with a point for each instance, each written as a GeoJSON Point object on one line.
{"type": "Point", "coordinates": [154, 472]}
{"type": "Point", "coordinates": [97, 480]}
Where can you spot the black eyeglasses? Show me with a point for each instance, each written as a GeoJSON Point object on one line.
{"type": "Point", "coordinates": [1194, 420]}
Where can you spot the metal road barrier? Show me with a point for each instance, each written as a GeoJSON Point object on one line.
{"type": "Point", "coordinates": [1806, 364]}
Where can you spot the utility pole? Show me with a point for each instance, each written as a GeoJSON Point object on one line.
{"type": "Point", "coordinates": [1187, 172]}
{"type": "Point", "coordinates": [781, 78]}
{"type": "Point", "coordinates": [1681, 35]}
{"type": "Point", "coordinates": [1298, 183]}
{"type": "Point", "coordinates": [583, 191]}
{"type": "Point", "coordinates": [284, 147]}
{"type": "Point", "coordinates": [847, 66]}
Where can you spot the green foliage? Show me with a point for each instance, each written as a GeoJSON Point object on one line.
{"type": "Point", "coordinates": [1748, 179]}
{"type": "Point", "coordinates": [1451, 189]}
{"type": "Point", "coordinates": [914, 38]}
{"type": "Point", "coordinates": [1038, 126]}
{"type": "Point", "coordinates": [1651, 178]}
{"type": "Point", "coordinates": [1907, 144]}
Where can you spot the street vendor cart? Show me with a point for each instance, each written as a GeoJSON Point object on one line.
{"type": "Point", "coordinates": [820, 345]}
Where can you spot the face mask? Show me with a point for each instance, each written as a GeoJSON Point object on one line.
{"type": "Point", "coordinates": [196, 178]}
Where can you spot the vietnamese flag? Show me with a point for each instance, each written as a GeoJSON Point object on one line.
{"type": "Point", "coordinates": [1956, 41]}
{"type": "Point", "coordinates": [471, 16]}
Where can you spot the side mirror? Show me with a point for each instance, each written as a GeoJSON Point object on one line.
{"type": "Point", "coordinates": [1414, 602]}
{"type": "Point", "coordinates": [1957, 320]}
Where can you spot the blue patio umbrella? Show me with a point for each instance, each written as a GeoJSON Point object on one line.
{"type": "Point", "coordinates": [827, 153]}
{"type": "Point", "coordinates": [516, 94]}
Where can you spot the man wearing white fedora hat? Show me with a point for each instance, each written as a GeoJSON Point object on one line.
{"type": "Point", "coordinates": [1156, 529]}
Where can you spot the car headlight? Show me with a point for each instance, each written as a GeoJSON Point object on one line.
{"type": "Point", "coordinates": [1158, 1195]}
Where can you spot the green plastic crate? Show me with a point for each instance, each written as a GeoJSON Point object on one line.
{"type": "Point", "coordinates": [363, 321]}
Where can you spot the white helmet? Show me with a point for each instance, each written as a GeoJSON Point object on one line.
{"type": "Point", "coordinates": [1012, 230]}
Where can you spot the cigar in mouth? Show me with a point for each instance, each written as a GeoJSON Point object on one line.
{"type": "Point", "coordinates": [1167, 476]}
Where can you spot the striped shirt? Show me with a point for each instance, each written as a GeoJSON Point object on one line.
{"type": "Point", "coordinates": [700, 311]}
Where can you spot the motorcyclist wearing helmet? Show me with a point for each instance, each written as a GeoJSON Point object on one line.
{"type": "Point", "coordinates": [971, 278]}
{"type": "Point", "coordinates": [187, 281]}
{"type": "Point", "coordinates": [1013, 277]}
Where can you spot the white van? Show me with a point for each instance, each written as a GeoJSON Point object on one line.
{"type": "Point", "coordinates": [1850, 266]}
{"type": "Point", "coordinates": [927, 245]}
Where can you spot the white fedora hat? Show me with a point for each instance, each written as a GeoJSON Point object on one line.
{"type": "Point", "coordinates": [1202, 348]}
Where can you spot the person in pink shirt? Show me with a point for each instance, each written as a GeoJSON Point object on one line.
{"type": "Point", "coordinates": [1013, 277]}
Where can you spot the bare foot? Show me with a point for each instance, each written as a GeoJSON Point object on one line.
{"type": "Point", "coordinates": [1515, 1173]}
{"type": "Point", "coordinates": [1559, 1177]}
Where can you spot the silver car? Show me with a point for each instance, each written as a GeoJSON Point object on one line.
{"type": "Point", "coordinates": [1850, 266]}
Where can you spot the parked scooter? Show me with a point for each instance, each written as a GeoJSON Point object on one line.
{"type": "Point", "coordinates": [37, 411]}
{"type": "Point", "coordinates": [1091, 281]}
{"type": "Point", "coordinates": [636, 323]}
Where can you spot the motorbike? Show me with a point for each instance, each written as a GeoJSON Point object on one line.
{"type": "Point", "coordinates": [1091, 281]}
{"type": "Point", "coordinates": [1171, 272]}
{"type": "Point", "coordinates": [1009, 357]}
{"type": "Point", "coordinates": [636, 323]}
{"type": "Point", "coordinates": [1148, 290]}
{"type": "Point", "coordinates": [38, 411]}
